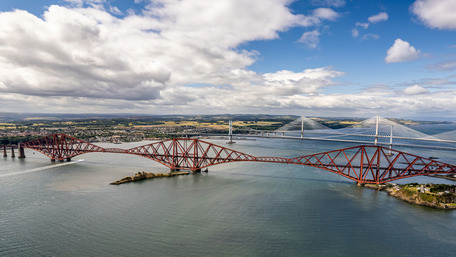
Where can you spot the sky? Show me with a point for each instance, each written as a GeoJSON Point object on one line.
{"type": "Point", "coordinates": [346, 58]}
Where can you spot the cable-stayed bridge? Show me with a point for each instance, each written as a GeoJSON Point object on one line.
{"type": "Point", "coordinates": [376, 130]}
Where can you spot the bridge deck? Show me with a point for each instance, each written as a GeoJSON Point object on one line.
{"type": "Point", "coordinates": [363, 164]}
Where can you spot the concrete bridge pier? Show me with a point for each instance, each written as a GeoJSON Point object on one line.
{"type": "Point", "coordinates": [68, 159]}
{"type": "Point", "coordinates": [21, 151]}
{"type": "Point", "coordinates": [4, 151]}
{"type": "Point", "coordinates": [12, 152]}
{"type": "Point", "coordinates": [52, 160]}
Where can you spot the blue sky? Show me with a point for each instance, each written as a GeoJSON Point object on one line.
{"type": "Point", "coordinates": [314, 58]}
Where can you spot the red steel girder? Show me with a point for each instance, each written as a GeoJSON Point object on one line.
{"type": "Point", "coordinates": [363, 164]}
{"type": "Point", "coordinates": [61, 146]}
{"type": "Point", "coordinates": [191, 154]}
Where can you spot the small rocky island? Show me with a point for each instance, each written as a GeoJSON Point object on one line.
{"type": "Point", "coordinates": [148, 175]}
{"type": "Point", "coordinates": [439, 196]}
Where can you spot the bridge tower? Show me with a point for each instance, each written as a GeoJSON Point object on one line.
{"type": "Point", "coordinates": [376, 131]}
{"type": "Point", "coordinates": [230, 133]}
{"type": "Point", "coordinates": [391, 142]}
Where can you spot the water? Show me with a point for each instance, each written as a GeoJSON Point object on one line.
{"type": "Point", "coordinates": [237, 209]}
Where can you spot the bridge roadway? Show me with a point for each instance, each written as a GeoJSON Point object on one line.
{"type": "Point", "coordinates": [363, 164]}
{"type": "Point", "coordinates": [274, 135]}
{"type": "Point", "coordinates": [360, 141]}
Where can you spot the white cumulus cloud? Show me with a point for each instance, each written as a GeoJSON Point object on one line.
{"type": "Point", "coordinates": [383, 16]}
{"type": "Point", "coordinates": [82, 50]}
{"type": "Point", "coordinates": [436, 13]}
{"type": "Point", "coordinates": [310, 38]}
{"type": "Point", "coordinates": [325, 14]}
{"type": "Point", "coordinates": [401, 51]}
{"type": "Point", "coordinates": [415, 90]}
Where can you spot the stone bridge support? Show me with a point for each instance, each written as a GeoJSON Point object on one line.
{"type": "Point", "coordinates": [21, 151]}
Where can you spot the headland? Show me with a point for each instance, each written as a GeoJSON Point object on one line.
{"type": "Point", "coordinates": [440, 196]}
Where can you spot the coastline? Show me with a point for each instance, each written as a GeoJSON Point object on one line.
{"type": "Point", "coordinates": [148, 175]}
{"type": "Point", "coordinates": [438, 196]}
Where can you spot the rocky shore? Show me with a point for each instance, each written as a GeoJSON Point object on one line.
{"type": "Point", "coordinates": [148, 175]}
{"type": "Point", "coordinates": [438, 196]}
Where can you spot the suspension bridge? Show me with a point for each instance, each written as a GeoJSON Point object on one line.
{"type": "Point", "coordinates": [365, 164]}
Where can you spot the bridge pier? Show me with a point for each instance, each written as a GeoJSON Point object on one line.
{"type": "Point", "coordinates": [52, 160]}
{"type": "Point", "coordinates": [12, 152]}
{"type": "Point", "coordinates": [21, 151]}
{"type": "Point", "coordinates": [200, 170]}
{"type": "Point", "coordinates": [68, 159]}
{"type": "Point", "coordinates": [4, 151]}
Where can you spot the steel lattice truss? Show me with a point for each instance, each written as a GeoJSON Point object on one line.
{"type": "Point", "coordinates": [363, 164]}
{"type": "Point", "coordinates": [374, 164]}
{"type": "Point", "coordinates": [192, 154]}
{"type": "Point", "coordinates": [61, 146]}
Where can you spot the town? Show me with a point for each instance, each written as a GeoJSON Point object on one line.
{"type": "Point", "coordinates": [120, 129]}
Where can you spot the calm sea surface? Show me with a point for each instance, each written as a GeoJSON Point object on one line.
{"type": "Point", "coordinates": [237, 209]}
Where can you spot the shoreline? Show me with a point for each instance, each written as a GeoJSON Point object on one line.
{"type": "Point", "coordinates": [148, 175]}
{"type": "Point", "coordinates": [438, 196]}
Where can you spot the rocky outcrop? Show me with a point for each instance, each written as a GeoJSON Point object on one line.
{"type": "Point", "coordinates": [147, 175]}
{"type": "Point", "coordinates": [420, 195]}
{"type": "Point", "coordinates": [431, 195]}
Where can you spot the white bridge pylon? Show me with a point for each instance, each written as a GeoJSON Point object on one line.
{"type": "Point", "coordinates": [302, 123]}
{"type": "Point", "coordinates": [373, 130]}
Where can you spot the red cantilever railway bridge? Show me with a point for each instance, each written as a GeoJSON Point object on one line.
{"type": "Point", "coordinates": [363, 164]}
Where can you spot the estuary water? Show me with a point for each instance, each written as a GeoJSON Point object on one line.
{"type": "Point", "coordinates": [237, 209]}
